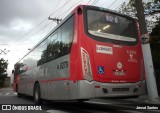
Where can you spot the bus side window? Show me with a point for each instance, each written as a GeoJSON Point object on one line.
{"type": "Point", "coordinates": [54, 46]}
{"type": "Point", "coordinates": [67, 35]}
{"type": "Point", "coordinates": [42, 48]}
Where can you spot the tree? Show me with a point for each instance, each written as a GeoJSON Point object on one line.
{"type": "Point", "coordinates": [152, 11]}
{"type": "Point", "coordinates": [156, 30]}
{"type": "Point", "coordinates": [3, 71]}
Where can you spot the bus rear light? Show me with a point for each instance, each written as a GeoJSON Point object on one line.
{"type": "Point", "coordinates": [97, 86]}
{"type": "Point", "coordinates": [86, 65]}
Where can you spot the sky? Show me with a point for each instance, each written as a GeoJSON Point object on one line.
{"type": "Point", "coordinates": [23, 23]}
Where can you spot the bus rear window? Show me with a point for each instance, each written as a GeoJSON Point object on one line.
{"type": "Point", "coordinates": [110, 26]}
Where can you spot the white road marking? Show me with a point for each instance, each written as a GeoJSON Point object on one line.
{"type": "Point", "coordinates": [7, 94]}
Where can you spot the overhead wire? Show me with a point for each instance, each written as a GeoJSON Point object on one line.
{"type": "Point", "coordinates": [112, 3]}
{"type": "Point", "coordinates": [30, 31]}
{"type": "Point", "coordinates": [117, 8]}
{"type": "Point", "coordinates": [56, 6]}
{"type": "Point", "coordinates": [62, 8]}
{"type": "Point", "coordinates": [75, 3]}
{"type": "Point", "coordinates": [38, 31]}
{"type": "Point", "coordinates": [54, 11]}
{"type": "Point", "coordinates": [101, 4]}
{"type": "Point", "coordinates": [88, 2]}
{"type": "Point", "coordinates": [94, 2]}
{"type": "Point", "coordinates": [49, 28]}
{"type": "Point", "coordinates": [106, 3]}
{"type": "Point", "coordinates": [44, 29]}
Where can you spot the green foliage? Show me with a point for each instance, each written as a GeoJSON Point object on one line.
{"type": "Point", "coordinates": [3, 71]}
{"type": "Point", "coordinates": [132, 3]}
{"type": "Point", "coordinates": [151, 8]}
{"type": "Point", "coordinates": [156, 1]}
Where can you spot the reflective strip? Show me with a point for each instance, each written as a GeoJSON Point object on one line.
{"type": "Point", "coordinates": [86, 65]}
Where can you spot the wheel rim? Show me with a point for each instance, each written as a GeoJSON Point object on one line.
{"type": "Point", "coordinates": [36, 95]}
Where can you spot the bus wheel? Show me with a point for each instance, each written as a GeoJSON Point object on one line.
{"type": "Point", "coordinates": [18, 94]}
{"type": "Point", "coordinates": [37, 94]}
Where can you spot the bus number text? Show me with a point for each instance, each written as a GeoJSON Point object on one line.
{"type": "Point", "coordinates": [62, 65]}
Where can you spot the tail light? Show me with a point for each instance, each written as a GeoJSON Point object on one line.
{"type": "Point", "coordinates": [86, 65]}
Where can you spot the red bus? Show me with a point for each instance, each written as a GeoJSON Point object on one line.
{"type": "Point", "coordinates": [94, 52]}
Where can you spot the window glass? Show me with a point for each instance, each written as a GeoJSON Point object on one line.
{"type": "Point", "coordinates": [54, 46]}
{"type": "Point", "coordinates": [42, 49]}
{"type": "Point", "coordinates": [67, 35]}
{"type": "Point", "coordinates": [111, 26]}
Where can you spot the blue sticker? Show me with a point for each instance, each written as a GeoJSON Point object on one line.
{"type": "Point", "coordinates": [100, 69]}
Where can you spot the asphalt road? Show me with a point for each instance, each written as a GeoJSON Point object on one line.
{"type": "Point", "coordinates": [8, 97]}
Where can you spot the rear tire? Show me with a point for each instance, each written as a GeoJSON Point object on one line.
{"type": "Point", "coordinates": [18, 94]}
{"type": "Point", "coordinates": [37, 94]}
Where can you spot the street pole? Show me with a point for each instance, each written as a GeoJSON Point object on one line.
{"type": "Point", "coordinates": [149, 69]}
{"type": "Point", "coordinates": [55, 19]}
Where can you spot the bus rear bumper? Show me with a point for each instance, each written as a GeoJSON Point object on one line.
{"type": "Point", "coordinates": [110, 90]}
{"type": "Point", "coordinates": [120, 89]}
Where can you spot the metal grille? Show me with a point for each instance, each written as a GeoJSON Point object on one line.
{"type": "Point", "coordinates": [120, 89]}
